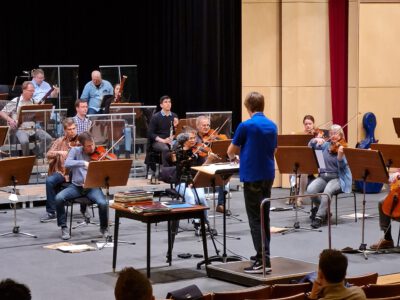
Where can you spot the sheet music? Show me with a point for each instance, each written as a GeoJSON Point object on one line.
{"type": "Point", "coordinates": [320, 158]}
{"type": "Point", "coordinates": [213, 168]}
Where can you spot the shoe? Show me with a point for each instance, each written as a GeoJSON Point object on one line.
{"type": "Point", "coordinates": [104, 232]}
{"type": "Point", "coordinates": [253, 257]}
{"type": "Point", "coordinates": [65, 233]}
{"type": "Point", "coordinates": [257, 268]}
{"type": "Point", "coordinates": [382, 244]}
{"type": "Point", "coordinates": [86, 216]}
{"type": "Point", "coordinates": [316, 223]}
{"type": "Point", "coordinates": [220, 209]}
{"type": "Point", "coordinates": [313, 213]}
{"type": "Point", "coordinates": [48, 218]}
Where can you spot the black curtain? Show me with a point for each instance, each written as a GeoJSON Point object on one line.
{"type": "Point", "coordinates": [188, 49]}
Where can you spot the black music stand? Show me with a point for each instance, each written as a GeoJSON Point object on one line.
{"type": "Point", "coordinates": [107, 173]}
{"type": "Point", "coordinates": [390, 153]}
{"type": "Point", "coordinates": [217, 174]}
{"type": "Point", "coordinates": [297, 160]}
{"type": "Point", "coordinates": [16, 171]}
{"type": "Point", "coordinates": [368, 166]}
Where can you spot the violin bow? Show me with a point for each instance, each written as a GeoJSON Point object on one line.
{"type": "Point", "coordinates": [112, 147]}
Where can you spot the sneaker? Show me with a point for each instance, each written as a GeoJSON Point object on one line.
{"type": "Point", "coordinates": [316, 223]}
{"type": "Point", "coordinates": [48, 218]}
{"type": "Point", "coordinates": [253, 257]}
{"type": "Point", "coordinates": [65, 233]}
{"type": "Point", "coordinates": [383, 244]}
{"type": "Point", "coordinates": [257, 268]}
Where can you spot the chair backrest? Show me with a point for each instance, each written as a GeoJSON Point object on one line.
{"type": "Point", "coordinates": [381, 290]}
{"type": "Point", "coordinates": [300, 296]}
{"type": "Point", "coordinates": [386, 298]}
{"type": "Point", "coordinates": [370, 278]}
{"type": "Point", "coordinates": [258, 292]}
{"type": "Point", "coordinates": [285, 290]}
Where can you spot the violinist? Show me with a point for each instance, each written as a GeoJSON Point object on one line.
{"type": "Point", "coordinates": [57, 174]}
{"type": "Point", "coordinates": [25, 131]}
{"type": "Point", "coordinates": [78, 161]}
{"type": "Point", "coordinates": [334, 178]}
{"type": "Point", "coordinates": [385, 220]}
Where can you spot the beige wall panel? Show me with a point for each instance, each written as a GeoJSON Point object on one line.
{"type": "Point", "coordinates": [379, 45]}
{"type": "Point", "coordinates": [260, 1]}
{"type": "Point", "coordinates": [354, 125]}
{"type": "Point", "coordinates": [300, 101]}
{"type": "Point", "coordinates": [353, 45]}
{"type": "Point", "coordinates": [305, 44]}
{"type": "Point", "coordinates": [260, 44]}
{"type": "Point", "coordinates": [384, 103]}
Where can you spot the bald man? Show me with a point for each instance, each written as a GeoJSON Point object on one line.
{"type": "Point", "coordinates": [94, 91]}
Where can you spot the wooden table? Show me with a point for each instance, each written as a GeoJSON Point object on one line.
{"type": "Point", "coordinates": [197, 211]}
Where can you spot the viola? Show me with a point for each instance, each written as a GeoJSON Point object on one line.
{"type": "Point", "coordinates": [201, 149]}
{"type": "Point", "coordinates": [335, 146]}
{"type": "Point", "coordinates": [391, 204]}
{"type": "Point", "coordinates": [100, 153]}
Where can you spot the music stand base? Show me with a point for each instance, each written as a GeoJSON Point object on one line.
{"type": "Point", "coordinates": [223, 258]}
{"type": "Point", "coordinates": [296, 226]}
{"type": "Point", "coordinates": [16, 231]}
{"type": "Point", "coordinates": [83, 223]}
{"type": "Point", "coordinates": [109, 240]}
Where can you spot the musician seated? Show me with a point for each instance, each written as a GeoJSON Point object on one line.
{"type": "Point", "coordinates": [385, 222]}
{"type": "Point", "coordinates": [57, 174]}
{"type": "Point", "coordinates": [78, 161]}
{"type": "Point", "coordinates": [27, 130]}
{"type": "Point", "coordinates": [185, 159]}
{"type": "Point", "coordinates": [335, 178]}
{"type": "Point", "coordinates": [161, 129]}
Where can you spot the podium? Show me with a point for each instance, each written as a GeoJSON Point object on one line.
{"type": "Point", "coordinates": [217, 174]}
{"type": "Point", "coordinates": [368, 166]}
{"type": "Point", "coordinates": [16, 171]}
{"type": "Point", "coordinates": [297, 160]}
{"type": "Point", "coordinates": [107, 173]}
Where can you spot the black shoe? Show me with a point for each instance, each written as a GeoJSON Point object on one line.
{"type": "Point", "coordinates": [316, 223]}
{"type": "Point", "coordinates": [253, 257]}
{"type": "Point", "coordinates": [257, 268]}
{"type": "Point", "coordinates": [313, 213]}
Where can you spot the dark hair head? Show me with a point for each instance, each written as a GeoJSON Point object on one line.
{"type": "Point", "coordinates": [83, 137]}
{"type": "Point", "coordinates": [131, 284]}
{"type": "Point", "coordinates": [163, 98]}
{"type": "Point", "coordinates": [254, 102]}
{"type": "Point", "coordinates": [11, 290]}
{"type": "Point", "coordinates": [308, 117]}
{"type": "Point", "coordinates": [333, 264]}
{"type": "Point", "coordinates": [79, 101]}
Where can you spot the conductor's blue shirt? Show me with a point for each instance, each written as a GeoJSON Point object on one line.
{"type": "Point", "coordinates": [257, 139]}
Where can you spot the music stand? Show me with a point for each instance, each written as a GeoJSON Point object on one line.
{"type": "Point", "coordinates": [294, 139]}
{"type": "Point", "coordinates": [217, 174]}
{"type": "Point", "coordinates": [34, 113]}
{"type": "Point", "coordinates": [390, 153]}
{"type": "Point", "coordinates": [368, 166]}
{"type": "Point", "coordinates": [16, 171]}
{"type": "Point", "coordinates": [107, 173]}
{"type": "Point", "coordinates": [297, 160]}
{"type": "Point", "coordinates": [3, 136]}
{"type": "Point", "coordinates": [396, 123]}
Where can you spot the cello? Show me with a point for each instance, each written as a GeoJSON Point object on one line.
{"type": "Point", "coordinates": [391, 204]}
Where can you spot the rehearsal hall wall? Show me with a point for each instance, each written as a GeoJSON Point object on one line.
{"type": "Point", "coordinates": [190, 50]}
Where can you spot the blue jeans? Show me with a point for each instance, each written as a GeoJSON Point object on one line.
{"type": "Point", "coordinates": [95, 195]}
{"type": "Point", "coordinates": [189, 194]}
{"type": "Point", "coordinates": [53, 183]}
{"type": "Point", "coordinates": [327, 183]}
{"type": "Point", "coordinates": [254, 193]}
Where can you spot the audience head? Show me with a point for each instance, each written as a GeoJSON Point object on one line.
{"type": "Point", "coordinates": [131, 284]}
{"type": "Point", "coordinates": [332, 265]}
{"type": "Point", "coordinates": [11, 290]}
{"type": "Point", "coordinates": [254, 102]}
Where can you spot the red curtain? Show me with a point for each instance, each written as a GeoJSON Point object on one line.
{"type": "Point", "coordinates": [338, 45]}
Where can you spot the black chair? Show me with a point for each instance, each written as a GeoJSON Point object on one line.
{"type": "Point", "coordinates": [345, 195]}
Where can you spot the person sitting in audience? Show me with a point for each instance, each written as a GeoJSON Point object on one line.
{"type": "Point", "coordinates": [131, 284]}
{"type": "Point", "coordinates": [161, 129]}
{"type": "Point", "coordinates": [57, 174]}
{"type": "Point", "coordinates": [329, 284]}
{"type": "Point", "coordinates": [12, 290]}
{"type": "Point", "coordinates": [27, 129]}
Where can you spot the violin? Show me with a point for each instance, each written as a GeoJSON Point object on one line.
{"type": "Point", "coordinates": [391, 204]}
{"type": "Point", "coordinates": [73, 142]}
{"type": "Point", "coordinates": [100, 153]}
{"type": "Point", "coordinates": [201, 149]}
{"type": "Point", "coordinates": [335, 146]}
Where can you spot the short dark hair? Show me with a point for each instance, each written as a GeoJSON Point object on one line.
{"type": "Point", "coordinates": [10, 290]}
{"type": "Point", "coordinates": [333, 264]}
{"type": "Point", "coordinates": [308, 117]}
{"type": "Point", "coordinates": [131, 284]}
{"type": "Point", "coordinates": [79, 101]}
{"type": "Point", "coordinates": [254, 102]}
{"type": "Point", "coordinates": [83, 137]}
{"type": "Point", "coordinates": [163, 98]}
